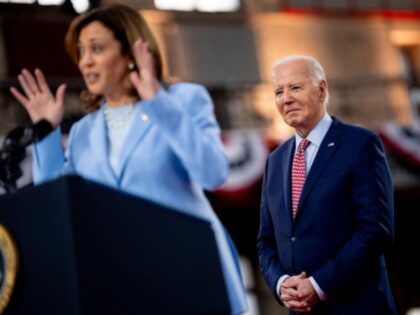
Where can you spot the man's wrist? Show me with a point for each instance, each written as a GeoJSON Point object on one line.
{"type": "Point", "coordinates": [280, 282]}
{"type": "Point", "coordinates": [321, 294]}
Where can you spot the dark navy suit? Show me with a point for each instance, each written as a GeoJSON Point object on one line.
{"type": "Point", "coordinates": [343, 226]}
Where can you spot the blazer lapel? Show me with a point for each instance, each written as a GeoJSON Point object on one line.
{"type": "Point", "coordinates": [286, 171]}
{"type": "Point", "coordinates": [325, 152]}
{"type": "Point", "coordinates": [139, 126]}
{"type": "Point", "coordinates": [99, 145]}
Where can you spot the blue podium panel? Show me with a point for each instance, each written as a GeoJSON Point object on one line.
{"type": "Point", "coordinates": [87, 249]}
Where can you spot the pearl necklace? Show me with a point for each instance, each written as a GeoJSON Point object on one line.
{"type": "Point", "coordinates": [114, 120]}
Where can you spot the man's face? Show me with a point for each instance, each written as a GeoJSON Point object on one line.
{"type": "Point", "coordinates": [298, 98]}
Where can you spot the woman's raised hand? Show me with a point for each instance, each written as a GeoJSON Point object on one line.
{"type": "Point", "coordinates": [37, 98]}
{"type": "Point", "coordinates": [144, 80]}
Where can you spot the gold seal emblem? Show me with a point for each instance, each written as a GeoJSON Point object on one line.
{"type": "Point", "coordinates": [8, 267]}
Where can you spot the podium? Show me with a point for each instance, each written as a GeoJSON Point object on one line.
{"type": "Point", "coordinates": [88, 249]}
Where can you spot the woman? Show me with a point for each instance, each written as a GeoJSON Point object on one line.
{"type": "Point", "coordinates": [159, 143]}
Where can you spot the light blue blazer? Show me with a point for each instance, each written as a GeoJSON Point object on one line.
{"type": "Point", "coordinates": [172, 151]}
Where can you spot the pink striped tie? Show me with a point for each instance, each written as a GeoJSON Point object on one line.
{"type": "Point", "coordinates": [298, 174]}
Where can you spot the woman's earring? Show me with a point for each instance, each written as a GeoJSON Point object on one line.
{"type": "Point", "coordinates": [131, 66]}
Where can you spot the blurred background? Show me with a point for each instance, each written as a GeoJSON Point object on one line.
{"type": "Point", "coordinates": [370, 50]}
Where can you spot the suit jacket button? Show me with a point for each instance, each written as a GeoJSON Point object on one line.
{"type": "Point", "coordinates": [293, 239]}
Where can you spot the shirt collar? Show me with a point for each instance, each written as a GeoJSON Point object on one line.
{"type": "Point", "coordinates": [318, 133]}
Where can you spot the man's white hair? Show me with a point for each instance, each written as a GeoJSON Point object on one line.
{"type": "Point", "coordinates": [315, 68]}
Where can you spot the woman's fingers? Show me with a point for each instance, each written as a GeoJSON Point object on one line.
{"type": "Point", "coordinates": [25, 86]}
{"type": "Point", "coordinates": [137, 48]}
{"type": "Point", "coordinates": [135, 78]}
{"type": "Point", "coordinates": [33, 85]}
{"type": "Point", "coordinates": [42, 82]}
{"type": "Point", "coordinates": [148, 63]}
{"type": "Point", "coordinates": [144, 59]}
{"type": "Point", "coordinates": [37, 98]}
{"type": "Point", "coordinates": [144, 80]}
{"type": "Point", "coordinates": [59, 94]}
{"type": "Point", "coordinates": [21, 99]}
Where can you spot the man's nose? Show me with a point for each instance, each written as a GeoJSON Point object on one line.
{"type": "Point", "coordinates": [287, 97]}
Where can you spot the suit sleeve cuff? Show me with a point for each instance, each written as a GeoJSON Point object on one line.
{"type": "Point", "coordinates": [280, 282]}
{"type": "Point", "coordinates": [321, 294]}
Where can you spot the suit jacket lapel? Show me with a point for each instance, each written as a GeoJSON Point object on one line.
{"type": "Point", "coordinates": [140, 125]}
{"type": "Point", "coordinates": [286, 171]}
{"type": "Point", "coordinates": [99, 145]}
{"type": "Point", "coordinates": [325, 152]}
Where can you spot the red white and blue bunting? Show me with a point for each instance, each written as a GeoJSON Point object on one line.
{"type": "Point", "coordinates": [403, 142]}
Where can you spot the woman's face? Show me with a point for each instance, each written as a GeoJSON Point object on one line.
{"type": "Point", "coordinates": [104, 68]}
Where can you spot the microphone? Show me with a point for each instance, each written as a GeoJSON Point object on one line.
{"type": "Point", "coordinates": [13, 151]}
{"type": "Point", "coordinates": [23, 136]}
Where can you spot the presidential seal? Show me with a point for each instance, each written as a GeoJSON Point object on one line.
{"type": "Point", "coordinates": [8, 267]}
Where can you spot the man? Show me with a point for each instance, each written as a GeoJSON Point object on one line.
{"type": "Point", "coordinates": [327, 205]}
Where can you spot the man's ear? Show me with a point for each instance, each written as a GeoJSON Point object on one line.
{"type": "Point", "coordinates": [323, 90]}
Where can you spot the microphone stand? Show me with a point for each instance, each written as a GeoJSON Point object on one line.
{"type": "Point", "coordinates": [13, 151]}
{"type": "Point", "coordinates": [10, 173]}
{"type": "Point", "coordinates": [11, 154]}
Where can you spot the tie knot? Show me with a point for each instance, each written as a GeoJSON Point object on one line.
{"type": "Point", "coordinates": [303, 145]}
